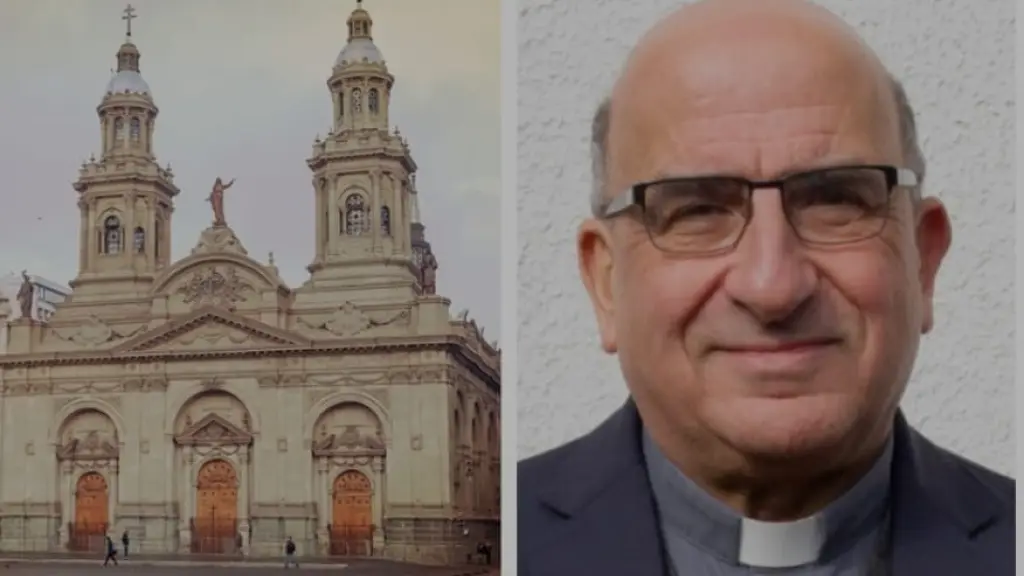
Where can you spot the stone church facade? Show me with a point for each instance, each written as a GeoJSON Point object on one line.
{"type": "Point", "coordinates": [205, 406]}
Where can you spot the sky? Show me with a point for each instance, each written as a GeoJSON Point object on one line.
{"type": "Point", "coordinates": [241, 88]}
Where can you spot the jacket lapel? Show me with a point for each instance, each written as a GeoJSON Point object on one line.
{"type": "Point", "coordinates": [941, 512]}
{"type": "Point", "coordinates": [609, 525]}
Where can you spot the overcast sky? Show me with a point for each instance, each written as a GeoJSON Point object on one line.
{"type": "Point", "coordinates": [241, 89]}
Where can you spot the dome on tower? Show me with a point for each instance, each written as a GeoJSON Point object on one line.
{"type": "Point", "coordinates": [359, 51]}
{"type": "Point", "coordinates": [360, 48]}
{"type": "Point", "coordinates": [127, 79]}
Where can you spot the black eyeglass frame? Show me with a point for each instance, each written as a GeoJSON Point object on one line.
{"type": "Point", "coordinates": [636, 196]}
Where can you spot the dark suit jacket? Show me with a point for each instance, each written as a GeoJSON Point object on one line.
{"type": "Point", "coordinates": [586, 508]}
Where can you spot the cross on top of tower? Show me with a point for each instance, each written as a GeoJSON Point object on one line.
{"type": "Point", "coordinates": [129, 15]}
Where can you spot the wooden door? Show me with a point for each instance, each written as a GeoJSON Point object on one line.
{"type": "Point", "coordinates": [92, 500]}
{"type": "Point", "coordinates": [352, 515]}
{"type": "Point", "coordinates": [216, 508]}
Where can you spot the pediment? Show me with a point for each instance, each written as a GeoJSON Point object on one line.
{"type": "Point", "coordinates": [211, 330]}
{"type": "Point", "coordinates": [213, 429]}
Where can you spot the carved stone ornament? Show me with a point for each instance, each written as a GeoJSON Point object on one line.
{"type": "Point", "coordinates": [350, 320]}
{"type": "Point", "coordinates": [350, 440]}
{"type": "Point", "coordinates": [211, 287]}
{"type": "Point", "coordinates": [219, 240]}
{"type": "Point", "coordinates": [213, 430]}
{"type": "Point", "coordinates": [92, 446]}
{"type": "Point", "coordinates": [213, 383]}
{"type": "Point", "coordinates": [95, 332]}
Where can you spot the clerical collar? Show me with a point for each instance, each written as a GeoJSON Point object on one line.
{"type": "Point", "coordinates": [710, 525]}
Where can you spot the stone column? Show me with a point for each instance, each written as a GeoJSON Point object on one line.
{"type": "Point", "coordinates": [184, 526]}
{"type": "Point", "coordinates": [379, 501]}
{"type": "Point", "coordinates": [321, 486]}
{"type": "Point", "coordinates": [169, 452]}
{"type": "Point", "coordinates": [129, 225]}
{"type": "Point", "coordinates": [375, 205]}
{"type": "Point", "coordinates": [150, 239]}
{"type": "Point", "coordinates": [320, 191]}
{"type": "Point", "coordinates": [334, 223]}
{"type": "Point", "coordinates": [95, 238]}
{"type": "Point", "coordinates": [399, 227]}
{"type": "Point", "coordinates": [243, 498]}
{"type": "Point", "coordinates": [147, 136]}
{"type": "Point", "coordinates": [67, 502]}
{"type": "Point", "coordinates": [83, 238]}
{"type": "Point", "coordinates": [169, 495]}
{"type": "Point", "coordinates": [115, 493]}
{"type": "Point", "coordinates": [108, 131]}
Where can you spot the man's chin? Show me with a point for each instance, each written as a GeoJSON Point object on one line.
{"type": "Point", "coordinates": [790, 427]}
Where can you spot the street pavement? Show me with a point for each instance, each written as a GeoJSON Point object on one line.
{"type": "Point", "coordinates": [85, 567]}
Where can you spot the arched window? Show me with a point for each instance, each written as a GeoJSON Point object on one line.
{"type": "Point", "coordinates": [457, 427]}
{"type": "Point", "coordinates": [136, 129]}
{"type": "Point", "coordinates": [357, 221]}
{"type": "Point", "coordinates": [385, 221]}
{"type": "Point", "coordinates": [119, 129]}
{"type": "Point", "coordinates": [156, 238]}
{"type": "Point", "coordinates": [357, 100]}
{"type": "Point", "coordinates": [112, 240]}
{"type": "Point", "coordinates": [140, 241]}
{"type": "Point", "coordinates": [372, 100]}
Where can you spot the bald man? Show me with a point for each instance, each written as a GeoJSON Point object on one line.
{"type": "Point", "coordinates": [762, 259]}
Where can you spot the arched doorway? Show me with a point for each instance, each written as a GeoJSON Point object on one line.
{"type": "Point", "coordinates": [92, 500]}
{"type": "Point", "coordinates": [352, 515]}
{"type": "Point", "coordinates": [215, 529]}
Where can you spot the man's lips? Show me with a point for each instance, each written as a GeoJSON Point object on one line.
{"type": "Point", "coordinates": [780, 369]}
{"type": "Point", "coordinates": [793, 346]}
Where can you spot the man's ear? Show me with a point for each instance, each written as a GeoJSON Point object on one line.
{"type": "Point", "coordinates": [934, 236]}
{"type": "Point", "coordinates": [596, 264]}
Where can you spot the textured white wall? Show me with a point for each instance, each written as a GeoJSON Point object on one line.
{"type": "Point", "coordinates": [956, 58]}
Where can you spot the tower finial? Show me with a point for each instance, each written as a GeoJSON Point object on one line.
{"type": "Point", "coordinates": [129, 15]}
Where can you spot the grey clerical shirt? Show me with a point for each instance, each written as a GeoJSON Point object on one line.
{"type": "Point", "coordinates": [703, 537]}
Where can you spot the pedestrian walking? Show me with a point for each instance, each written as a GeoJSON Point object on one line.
{"type": "Point", "coordinates": [289, 553]}
{"type": "Point", "coordinates": [124, 542]}
{"type": "Point", "coordinates": [111, 552]}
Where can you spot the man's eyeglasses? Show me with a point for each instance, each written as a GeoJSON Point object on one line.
{"type": "Point", "coordinates": [708, 214]}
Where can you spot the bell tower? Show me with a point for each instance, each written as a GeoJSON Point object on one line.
{"type": "Point", "coordinates": [125, 198]}
{"type": "Point", "coordinates": [362, 177]}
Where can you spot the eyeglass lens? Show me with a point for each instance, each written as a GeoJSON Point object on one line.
{"type": "Point", "coordinates": [832, 206]}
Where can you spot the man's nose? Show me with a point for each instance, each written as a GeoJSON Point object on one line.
{"type": "Point", "coordinates": [772, 278]}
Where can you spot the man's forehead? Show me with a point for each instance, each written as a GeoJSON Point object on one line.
{"type": "Point", "coordinates": [799, 95]}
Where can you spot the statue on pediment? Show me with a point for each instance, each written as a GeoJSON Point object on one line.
{"type": "Point", "coordinates": [216, 200]}
{"type": "Point", "coordinates": [25, 294]}
{"type": "Point", "coordinates": [428, 272]}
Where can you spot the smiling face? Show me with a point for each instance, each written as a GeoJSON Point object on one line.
{"type": "Point", "coordinates": [775, 348]}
